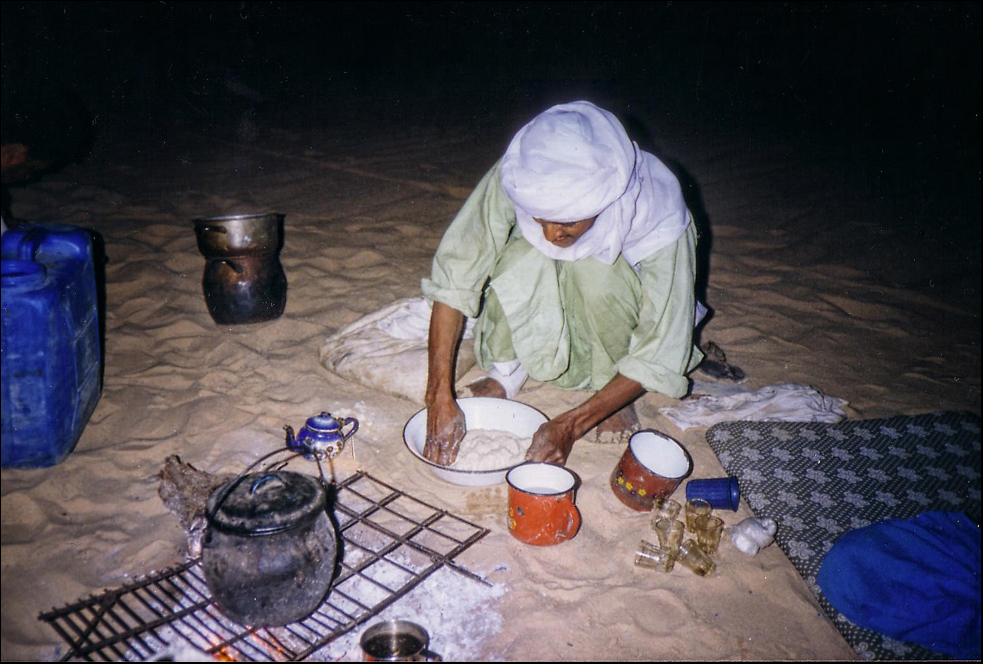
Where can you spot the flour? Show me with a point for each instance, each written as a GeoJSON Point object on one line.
{"type": "Point", "coordinates": [490, 449]}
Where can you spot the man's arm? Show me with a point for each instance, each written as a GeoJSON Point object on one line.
{"type": "Point", "coordinates": [445, 421]}
{"type": "Point", "coordinates": [554, 440]}
{"type": "Point", "coordinates": [661, 351]}
{"type": "Point", "coordinates": [465, 258]}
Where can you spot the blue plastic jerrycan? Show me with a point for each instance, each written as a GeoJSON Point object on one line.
{"type": "Point", "coordinates": [50, 350]}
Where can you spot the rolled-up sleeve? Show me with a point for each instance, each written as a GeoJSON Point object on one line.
{"type": "Point", "coordinates": [470, 247]}
{"type": "Point", "coordinates": [661, 350]}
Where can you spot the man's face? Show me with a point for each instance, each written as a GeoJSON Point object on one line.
{"type": "Point", "coordinates": [564, 234]}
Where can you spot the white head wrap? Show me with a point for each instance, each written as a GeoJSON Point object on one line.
{"type": "Point", "coordinates": [575, 161]}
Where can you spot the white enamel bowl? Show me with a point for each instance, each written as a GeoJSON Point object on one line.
{"type": "Point", "coordinates": [479, 413]}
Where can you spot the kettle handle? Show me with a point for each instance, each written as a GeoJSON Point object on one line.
{"type": "Point", "coordinates": [260, 482]}
{"type": "Point", "coordinates": [215, 229]}
{"type": "Point", "coordinates": [231, 264]}
{"type": "Point", "coordinates": [228, 488]}
{"type": "Point", "coordinates": [354, 423]}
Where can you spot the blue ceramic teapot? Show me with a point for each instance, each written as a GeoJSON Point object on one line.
{"type": "Point", "coordinates": [322, 436]}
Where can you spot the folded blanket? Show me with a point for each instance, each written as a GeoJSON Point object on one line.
{"type": "Point", "coordinates": [914, 580]}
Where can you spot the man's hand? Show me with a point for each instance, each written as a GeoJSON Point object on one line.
{"type": "Point", "coordinates": [445, 430]}
{"type": "Point", "coordinates": [552, 441]}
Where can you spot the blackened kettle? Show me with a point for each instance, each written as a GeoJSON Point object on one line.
{"type": "Point", "coordinates": [270, 547]}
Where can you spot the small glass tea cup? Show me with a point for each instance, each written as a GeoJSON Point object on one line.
{"type": "Point", "coordinates": [650, 556]}
{"type": "Point", "coordinates": [670, 534]}
{"type": "Point", "coordinates": [696, 507]}
{"type": "Point", "coordinates": [693, 558]}
{"type": "Point", "coordinates": [708, 529]}
{"type": "Point", "coordinates": [665, 508]}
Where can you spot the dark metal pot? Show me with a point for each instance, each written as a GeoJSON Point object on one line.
{"type": "Point", "coordinates": [244, 289]}
{"type": "Point", "coordinates": [270, 549]}
{"type": "Point", "coordinates": [243, 280]}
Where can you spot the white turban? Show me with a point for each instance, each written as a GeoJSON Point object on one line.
{"type": "Point", "coordinates": [576, 161]}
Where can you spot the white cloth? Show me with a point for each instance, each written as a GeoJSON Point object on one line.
{"type": "Point", "coordinates": [774, 403]}
{"type": "Point", "coordinates": [409, 320]}
{"type": "Point", "coordinates": [575, 161]}
{"type": "Point", "coordinates": [387, 349]}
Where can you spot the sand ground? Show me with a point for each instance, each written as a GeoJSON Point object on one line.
{"type": "Point", "coordinates": [818, 273]}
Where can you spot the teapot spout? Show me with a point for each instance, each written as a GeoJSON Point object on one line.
{"type": "Point", "coordinates": [289, 439]}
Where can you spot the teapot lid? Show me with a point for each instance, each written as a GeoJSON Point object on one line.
{"type": "Point", "coordinates": [323, 422]}
{"type": "Point", "coordinates": [267, 503]}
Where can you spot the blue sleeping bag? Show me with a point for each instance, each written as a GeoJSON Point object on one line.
{"type": "Point", "coordinates": [915, 580]}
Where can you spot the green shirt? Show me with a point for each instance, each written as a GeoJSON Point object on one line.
{"type": "Point", "coordinates": [575, 324]}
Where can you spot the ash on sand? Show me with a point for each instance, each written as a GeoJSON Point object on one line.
{"type": "Point", "coordinates": [459, 613]}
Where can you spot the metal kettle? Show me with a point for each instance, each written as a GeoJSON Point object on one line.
{"type": "Point", "coordinates": [322, 436]}
{"type": "Point", "coordinates": [271, 546]}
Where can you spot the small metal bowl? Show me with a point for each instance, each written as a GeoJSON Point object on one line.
{"type": "Point", "coordinates": [239, 235]}
{"type": "Point", "coordinates": [479, 413]}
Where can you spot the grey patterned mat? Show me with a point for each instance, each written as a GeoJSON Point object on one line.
{"type": "Point", "coordinates": [821, 480]}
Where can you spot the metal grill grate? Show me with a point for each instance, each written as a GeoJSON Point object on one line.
{"type": "Point", "coordinates": [391, 543]}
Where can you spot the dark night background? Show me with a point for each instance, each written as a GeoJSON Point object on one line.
{"type": "Point", "coordinates": [894, 85]}
{"type": "Point", "coordinates": [830, 153]}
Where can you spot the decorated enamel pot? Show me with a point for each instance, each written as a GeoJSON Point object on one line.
{"type": "Point", "coordinates": [652, 466]}
{"type": "Point", "coordinates": [541, 503]}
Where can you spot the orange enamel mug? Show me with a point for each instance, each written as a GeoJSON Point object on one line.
{"type": "Point", "coordinates": [652, 466]}
{"type": "Point", "coordinates": [541, 503]}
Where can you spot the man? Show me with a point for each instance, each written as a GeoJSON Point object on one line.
{"type": "Point", "coordinates": [576, 254]}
